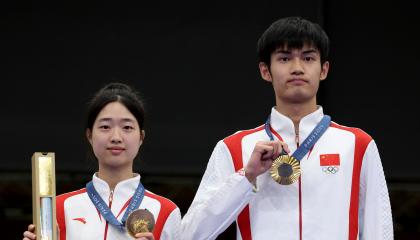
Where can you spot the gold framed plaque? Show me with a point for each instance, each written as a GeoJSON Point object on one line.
{"type": "Point", "coordinates": [43, 195]}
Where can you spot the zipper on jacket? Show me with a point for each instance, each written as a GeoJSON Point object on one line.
{"type": "Point", "coordinates": [300, 189]}
{"type": "Point", "coordinates": [111, 196]}
{"type": "Point", "coordinates": [297, 138]}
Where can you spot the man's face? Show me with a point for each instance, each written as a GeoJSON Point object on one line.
{"type": "Point", "coordinates": [295, 73]}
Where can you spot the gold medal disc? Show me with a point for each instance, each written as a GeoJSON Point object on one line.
{"type": "Point", "coordinates": [285, 170]}
{"type": "Point", "coordinates": [139, 221]}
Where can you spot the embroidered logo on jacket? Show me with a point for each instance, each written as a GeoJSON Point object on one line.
{"type": "Point", "coordinates": [330, 163]}
{"type": "Point", "coordinates": [241, 172]}
{"type": "Point", "coordinates": [82, 220]}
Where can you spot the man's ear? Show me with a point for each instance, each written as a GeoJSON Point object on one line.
{"type": "Point", "coordinates": [265, 71]}
{"type": "Point", "coordinates": [324, 70]}
{"type": "Point", "coordinates": [89, 135]}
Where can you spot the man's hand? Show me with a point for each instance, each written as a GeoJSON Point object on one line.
{"type": "Point", "coordinates": [262, 157]}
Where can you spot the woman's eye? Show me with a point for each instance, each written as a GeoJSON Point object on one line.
{"type": "Point", "coordinates": [104, 127]}
{"type": "Point", "coordinates": [283, 59]}
{"type": "Point", "coordinates": [128, 127]}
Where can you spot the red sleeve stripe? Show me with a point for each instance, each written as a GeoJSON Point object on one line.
{"type": "Point", "coordinates": [362, 141]}
{"type": "Point", "coordinates": [166, 208]}
{"type": "Point", "coordinates": [61, 218]}
{"type": "Point", "coordinates": [234, 144]}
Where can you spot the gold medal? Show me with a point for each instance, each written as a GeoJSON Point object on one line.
{"type": "Point", "coordinates": [139, 221]}
{"type": "Point", "coordinates": [285, 170]}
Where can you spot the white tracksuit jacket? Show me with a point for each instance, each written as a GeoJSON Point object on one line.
{"type": "Point", "coordinates": [342, 193]}
{"type": "Point", "coordinates": [78, 218]}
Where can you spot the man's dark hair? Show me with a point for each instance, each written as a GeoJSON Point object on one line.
{"type": "Point", "coordinates": [292, 32]}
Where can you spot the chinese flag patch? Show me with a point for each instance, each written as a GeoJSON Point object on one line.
{"type": "Point", "coordinates": [329, 159]}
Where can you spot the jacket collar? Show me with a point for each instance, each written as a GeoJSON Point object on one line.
{"type": "Point", "coordinates": [123, 191]}
{"type": "Point", "coordinates": [284, 126]}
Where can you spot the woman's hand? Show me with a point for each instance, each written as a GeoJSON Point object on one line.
{"type": "Point", "coordinates": [30, 234]}
{"type": "Point", "coordinates": [145, 236]}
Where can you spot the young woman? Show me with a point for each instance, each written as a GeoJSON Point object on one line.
{"type": "Point", "coordinates": [115, 131]}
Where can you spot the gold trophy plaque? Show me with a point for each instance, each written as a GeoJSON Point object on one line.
{"type": "Point", "coordinates": [139, 221]}
{"type": "Point", "coordinates": [43, 195]}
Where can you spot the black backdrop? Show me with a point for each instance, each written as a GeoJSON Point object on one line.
{"type": "Point", "coordinates": [195, 65]}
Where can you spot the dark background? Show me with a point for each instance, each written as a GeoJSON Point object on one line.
{"type": "Point", "coordinates": [195, 65]}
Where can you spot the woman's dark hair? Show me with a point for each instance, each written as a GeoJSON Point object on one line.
{"type": "Point", "coordinates": [292, 32]}
{"type": "Point", "coordinates": [115, 92]}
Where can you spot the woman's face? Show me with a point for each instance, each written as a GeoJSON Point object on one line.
{"type": "Point", "coordinates": [115, 136]}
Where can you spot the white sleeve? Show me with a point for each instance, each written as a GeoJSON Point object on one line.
{"type": "Point", "coordinates": [220, 198]}
{"type": "Point", "coordinates": [375, 218]}
{"type": "Point", "coordinates": [172, 228]}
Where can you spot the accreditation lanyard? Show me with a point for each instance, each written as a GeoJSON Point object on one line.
{"type": "Point", "coordinates": [309, 142]}
{"type": "Point", "coordinates": [104, 209]}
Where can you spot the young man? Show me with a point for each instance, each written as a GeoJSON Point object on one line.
{"type": "Point", "coordinates": [341, 192]}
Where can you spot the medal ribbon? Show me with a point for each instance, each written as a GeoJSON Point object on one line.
{"type": "Point", "coordinates": [309, 142]}
{"type": "Point", "coordinates": [104, 209]}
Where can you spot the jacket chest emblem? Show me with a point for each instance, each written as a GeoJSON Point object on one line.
{"type": "Point", "coordinates": [329, 163]}
{"type": "Point", "coordinates": [81, 219]}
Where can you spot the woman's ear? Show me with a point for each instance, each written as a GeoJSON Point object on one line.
{"type": "Point", "coordinates": [142, 136]}
{"type": "Point", "coordinates": [89, 135]}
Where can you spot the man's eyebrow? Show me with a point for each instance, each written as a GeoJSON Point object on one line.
{"type": "Point", "coordinates": [312, 50]}
{"type": "Point", "coordinates": [282, 51]}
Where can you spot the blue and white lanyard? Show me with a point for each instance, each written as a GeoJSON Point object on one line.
{"type": "Point", "coordinates": [309, 142]}
{"type": "Point", "coordinates": [104, 209]}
